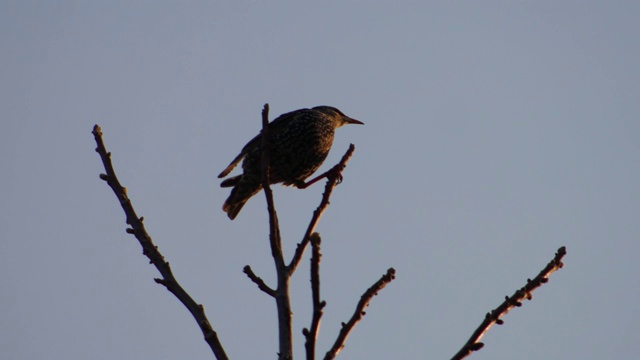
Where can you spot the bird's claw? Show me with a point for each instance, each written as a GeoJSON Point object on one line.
{"type": "Point", "coordinates": [336, 173]}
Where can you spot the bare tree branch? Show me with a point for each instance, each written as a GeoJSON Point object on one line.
{"type": "Point", "coordinates": [283, 302]}
{"type": "Point", "coordinates": [359, 313]}
{"type": "Point", "coordinates": [494, 317]}
{"type": "Point", "coordinates": [274, 227]}
{"type": "Point", "coordinates": [334, 176]}
{"type": "Point", "coordinates": [258, 281]}
{"type": "Point", "coordinates": [151, 251]}
{"type": "Point", "coordinates": [311, 334]}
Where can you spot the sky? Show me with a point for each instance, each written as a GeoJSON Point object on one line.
{"type": "Point", "coordinates": [495, 132]}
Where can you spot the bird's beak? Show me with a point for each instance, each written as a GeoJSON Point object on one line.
{"type": "Point", "coordinates": [353, 121]}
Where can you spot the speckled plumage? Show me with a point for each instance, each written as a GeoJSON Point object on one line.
{"type": "Point", "coordinates": [299, 142]}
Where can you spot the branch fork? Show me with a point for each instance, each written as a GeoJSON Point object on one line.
{"type": "Point", "coordinates": [284, 272]}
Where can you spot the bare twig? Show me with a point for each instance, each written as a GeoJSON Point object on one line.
{"type": "Point", "coordinates": [311, 334]}
{"type": "Point", "coordinates": [494, 317]}
{"type": "Point", "coordinates": [283, 303]}
{"type": "Point", "coordinates": [333, 177]}
{"type": "Point", "coordinates": [359, 313]}
{"type": "Point", "coordinates": [151, 251]}
{"type": "Point", "coordinates": [274, 227]}
{"type": "Point", "coordinates": [258, 281]}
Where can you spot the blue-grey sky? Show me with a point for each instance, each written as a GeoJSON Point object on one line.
{"type": "Point", "coordinates": [495, 132]}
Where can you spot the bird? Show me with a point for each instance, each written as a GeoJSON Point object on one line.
{"type": "Point", "coordinates": [298, 143]}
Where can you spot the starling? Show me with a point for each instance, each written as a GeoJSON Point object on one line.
{"type": "Point", "coordinates": [299, 141]}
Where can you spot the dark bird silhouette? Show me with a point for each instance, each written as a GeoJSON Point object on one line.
{"type": "Point", "coordinates": [298, 142]}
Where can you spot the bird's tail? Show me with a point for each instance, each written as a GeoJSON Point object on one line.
{"type": "Point", "coordinates": [233, 181]}
{"type": "Point", "coordinates": [232, 210]}
{"type": "Point", "coordinates": [240, 194]}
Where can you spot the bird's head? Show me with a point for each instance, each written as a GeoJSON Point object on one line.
{"type": "Point", "coordinates": [341, 118]}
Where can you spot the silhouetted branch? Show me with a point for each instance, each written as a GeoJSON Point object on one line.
{"type": "Point", "coordinates": [151, 251]}
{"type": "Point", "coordinates": [311, 334]}
{"type": "Point", "coordinates": [359, 313]}
{"type": "Point", "coordinates": [274, 227]}
{"type": "Point", "coordinates": [334, 176]}
{"type": "Point", "coordinates": [283, 303]}
{"type": "Point", "coordinates": [494, 317]}
{"type": "Point", "coordinates": [258, 281]}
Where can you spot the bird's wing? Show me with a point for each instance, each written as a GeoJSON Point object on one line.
{"type": "Point", "coordinates": [276, 124]}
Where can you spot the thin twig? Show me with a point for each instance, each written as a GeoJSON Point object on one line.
{"type": "Point", "coordinates": [359, 313]}
{"type": "Point", "coordinates": [494, 317]}
{"type": "Point", "coordinates": [333, 176]}
{"type": "Point", "coordinates": [258, 281]}
{"type": "Point", "coordinates": [274, 227]}
{"type": "Point", "coordinates": [311, 334]}
{"type": "Point", "coordinates": [283, 303]}
{"type": "Point", "coordinates": [151, 251]}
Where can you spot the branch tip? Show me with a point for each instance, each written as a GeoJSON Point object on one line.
{"type": "Point", "coordinates": [258, 281]}
{"type": "Point", "coordinates": [391, 272]}
{"type": "Point", "coordinates": [265, 115]}
{"type": "Point", "coordinates": [494, 316]}
{"type": "Point", "coordinates": [359, 312]}
{"type": "Point", "coordinates": [315, 238]}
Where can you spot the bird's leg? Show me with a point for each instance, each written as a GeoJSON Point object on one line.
{"type": "Point", "coordinates": [335, 171]}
